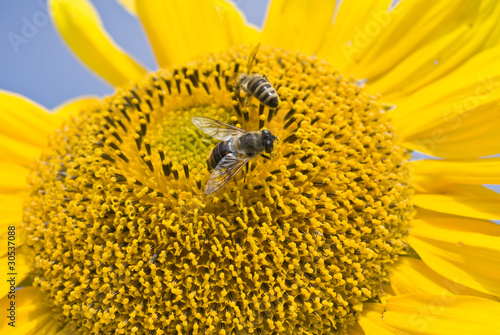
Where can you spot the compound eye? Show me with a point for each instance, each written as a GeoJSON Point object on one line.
{"type": "Point", "coordinates": [269, 146]}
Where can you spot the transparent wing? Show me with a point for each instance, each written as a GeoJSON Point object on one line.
{"type": "Point", "coordinates": [251, 58]}
{"type": "Point", "coordinates": [232, 83]}
{"type": "Point", "coordinates": [217, 129]}
{"type": "Point", "coordinates": [227, 168]}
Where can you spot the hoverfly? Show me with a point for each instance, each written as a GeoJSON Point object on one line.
{"type": "Point", "coordinates": [236, 149]}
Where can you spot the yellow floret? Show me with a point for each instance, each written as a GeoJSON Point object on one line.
{"type": "Point", "coordinates": [126, 241]}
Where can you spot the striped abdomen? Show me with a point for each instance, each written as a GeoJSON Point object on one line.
{"type": "Point", "coordinates": [217, 153]}
{"type": "Point", "coordinates": [263, 91]}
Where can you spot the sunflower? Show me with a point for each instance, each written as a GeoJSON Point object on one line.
{"type": "Point", "coordinates": [104, 213]}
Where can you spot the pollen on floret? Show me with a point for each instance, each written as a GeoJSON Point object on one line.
{"type": "Point", "coordinates": [125, 240]}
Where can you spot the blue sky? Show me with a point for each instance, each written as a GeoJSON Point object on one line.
{"type": "Point", "coordinates": [36, 63]}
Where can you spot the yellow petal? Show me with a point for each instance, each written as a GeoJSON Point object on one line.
{"type": "Point", "coordinates": [355, 330]}
{"type": "Point", "coordinates": [24, 129]}
{"type": "Point", "coordinates": [11, 207]}
{"type": "Point", "coordinates": [24, 120]}
{"type": "Point", "coordinates": [32, 317]}
{"type": "Point", "coordinates": [473, 201]}
{"type": "Point", "coordinates": [431, 314]}
{"type": "Point", "coordinates": [411, 275]}
{"type": "Point", "coordinates": [129, 5]}
{"type": "Point", "coordinates": [239, 31]}
{"type": "Point", "coordinates": [182, 30]}
{"type": "Point", "coordinates": [17, 271]}
{"type": "Point", "coordinates": [26, 126]}
{"type": "Point", "coordinates": [449, 32]}
{"type": "Point", "coordinates": [62, 111]}
{"type": "Point", "coordinates": [12, 178]}
{"type": "Point", "coordinates": [371, 320]}
{"type": "Point", "coordinates": [461, 134]}
{"type": "Point", "coordinates": [456, 116]}
{"type": "Point", "coordinates": [464, 250]}
{"type": "Point", "coordinates": [17, 151]}
{"type": "Point", "coordinates": [81, 27]}
{"type": "Point", "coordinates": [345, 40]}
{"type": "Point", "coordinates": [64, 331]}
{"type": "Point", "coordinates": [474, 171]}
{"type": "Point", "coordinates": [11, 212]}
{"type": "Point", "coordinates": [297, 24]}
{"type": "Point", "coordinates": [419, 41]}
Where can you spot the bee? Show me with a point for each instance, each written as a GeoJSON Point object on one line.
{"type": "Point", "coordinates": [236, 149]}
{"type": "Point", "coordinates": [255, 85]}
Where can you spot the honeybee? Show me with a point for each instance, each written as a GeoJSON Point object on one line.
{"type": "Point", "coordinates": [236, 149]}
{"type": "Point", "coordinates": [256, 85]}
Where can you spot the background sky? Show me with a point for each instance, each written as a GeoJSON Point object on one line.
{"type": "Point", "coordinates": [46, 71]}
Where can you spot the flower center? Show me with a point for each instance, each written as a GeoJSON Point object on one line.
{"type": "Point", "coordinates": [126, 241]}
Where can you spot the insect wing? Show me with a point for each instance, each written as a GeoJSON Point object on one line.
{"type": "Point", "coordinates": [251, 58]}
{"type": "Point", "coordinates": [232, 83]}
{"type": "Point", "coordinates": [217, 129]}
{"type": "Point", "coordinates": [227, 168]}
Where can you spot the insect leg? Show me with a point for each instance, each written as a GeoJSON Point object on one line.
{"type": "Point", "coordinates": [245, 108]}
{"type": "Point", "coordinates": [237, 101]}
{"type": "Point", "coordinates": [266, 156]}
{"type": "Point", "coordinates": [246, 171]}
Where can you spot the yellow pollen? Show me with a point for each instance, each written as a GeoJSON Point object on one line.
{"type": "Point", "coordinates": [125, 241]}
